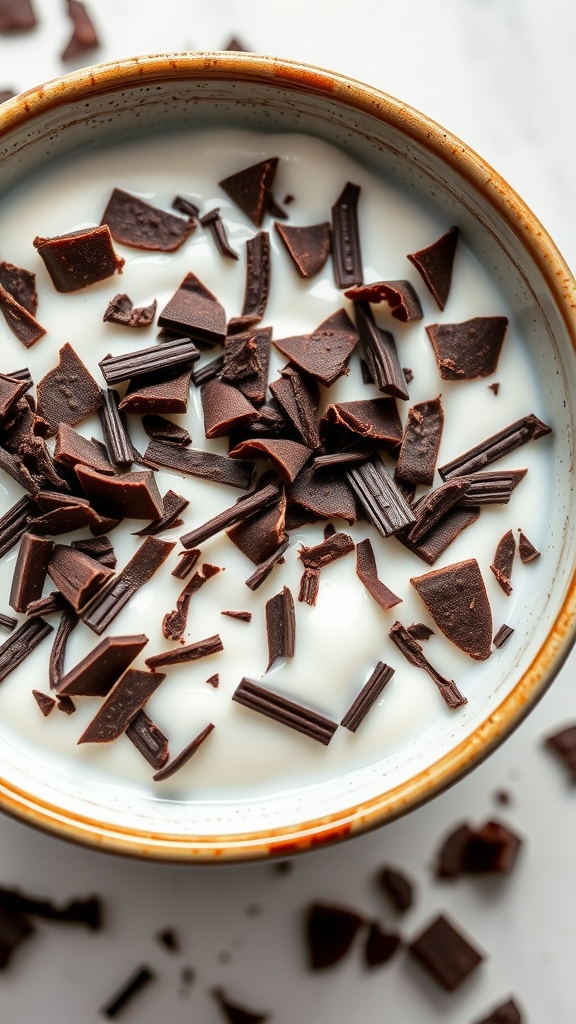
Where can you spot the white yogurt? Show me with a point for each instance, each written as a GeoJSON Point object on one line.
{"type": "Point", "coordinates": [338, 641]}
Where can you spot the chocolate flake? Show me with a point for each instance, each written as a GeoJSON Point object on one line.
{"type": "Point", "coordinates": [445, 953]}
{"type": "Point", "coordinates": [8, 623]}
{"type": "Point", "coordinates": [214, 680]}
{"type": "Point", "coordinates": [323, 495]}
{"type": "Point", "coordinates": [468, 350]}
{"type": "Point", "coordinates": [380, 945]}
{"type": "Point", "coordinates": [21, 643]}
{"type": "Point", "coordinates": [99, 670]}
{"type": "Point", "coordinates": [529, 428]}
{"type": "Point", "coordinates": [381, 356]}
{"type": "Point", "coordinates": [288, 457]}
{"type": "Point", "coordinates": [456, 598]}
{"type": "Point", "coordinates": [280, 626]}
{"type": "Point", "coordinates": [420, 631]}
{"type": "Point", "coordinates": [413, 653]}
{"type": "Point", "coordinates": [68, 393]}
{"type": "Point", "coordinates": [213, 221]}
{"type": "Point", "coordinates": [526, 549]}
{"type": "Point", "coordinates": [263, 569]}
{"type": "Point", "coordinates": [121, 310]}
{"type": "Point", "coordinates": [382, 501]}
{"type": "Point", "coordinates": [184, 756]}
{"type": "Point", "coordinates": [48, 605]}
{"type": "Point", "coordinates": [142, 226]}
{"type": "Point", "coordinates": [308, 247]}
{"type": "Point", "coordinates": [299, 397]}
{"type": "Point", "coordinates": [504, 560]}
{"type": "Point", "coordinates": [11, 390]}
{"type": "Point", "coordinates": [22, 323]}
{"type": "Point", "coordinates": [187, 561]}
{"type": "Point", "coordinates": [44, 702]}
{"type": "Point", "coordinates": [169, 392]}
{"type": "Point", "coordinates": [151, 554]}
{"type": "Point", "coordinates": [72, 449]}
{"type": "Point", "coordinates": [397, 886]}
{"type": "Point", "coordinates": [235, 1013]}
{"type": "Point", "coordinates": [400, 295]}
{"type": "Point", "coordinates": [122, 705]}
{"type": "Point", "coordinates": [504, 1013]}
{"type": "Point", "coordinates": [194, 312]}
{"type": "Point", "coordinates": [79, 259]}
{"type": "Point", "coordinates": [251, 189]}
{"type": "Point", "coordinates": [137, 981]}
{"type": "Point", "coordinates": [284, 711]}
{"type": "Point", "coordinates": [439, 537]}
{"type": "Point", "coordinates": [242, 616]}
{"type": "Point", "coordinates": [435, 263]}
{"type": "Point", "coordinates": [491, 488]}
{"type": "Point", "coordinates": [173, 504]}
{"type": "Point", "coordinates": [325, 352]}
{"type": "Point", "coordinates": [335, 546]}
{"type": "Point", "coordinates": [182, 655]}
{"type": "Point", "coordinates": [170, 355]}
{"type": "Point", "coordinates": [421, 442]}
{"type": "Point", "coordinates": [14, 523]}
{"type": "Point", "coordinates": [148, 739]}
{"type": "Point", "coordinates": [346, 252]}
{"type": "Point", "coordinates": [367, 697]}
{"type": "Point", "coordinates": [431, 507]}
{"type": "Point", "coordinates": [244, 507]}
{"type": "Point", "coordinates": [186, 206]}
{"type": "Point", "coordinates": [257, 276]}
{"type": "Point", "coordinates": [174, 623]}
{"type": "Point", "coordinates": [29, 571]}
{"type": "Point", "coordinates": [218, 468]}
{"type": "Point", "coordinates": [245, 364]}
{"type": "Point", "coordinates": [490, 849]}
{"type": "Point", "coordinates": [329, 931]}
{"type": "Point", "coordinates": [260, 536]}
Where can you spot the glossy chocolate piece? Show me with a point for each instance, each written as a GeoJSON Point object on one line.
{"type": "Point", "coordinates": [167, 392]}
{"type": "Point", "coordinates": [77, 576]}
{"type": "Point", "coordinates": [96, 674]}
{"type": "Point", "coordinates": [380, 945]}
{"type": "Point", "coordinates": [124, 702]}
{"type": "Point", "coordinates": [148, 739]}
{"type": "Point", "coordinates": [217, 228]}
{"type": "Point", "coordinates": [22, 323]}
{"type": "Point", "coordinates": [280, 626]}
{"type": "Point", "coordinates": [287, 457]}
{"type": "Point", "coordinates": [504, 560]}
{"type": "Point", "coordinates": [435, 262]}
{"type": "Point", "coordinates": [367, 697]}
{"type": "Point", "coordinates": [367, 572]}
{"type": "Point", "coordinates": [184, 756]}
{"type": "Point", "coordinates": [330, 931]}
{"type": "Point", "coordinates": [383, 503]}
{"type": "Point", "coordinates": [133, 495]}
{"type": "Point", "coordinates": [299, 397]}
{"type": "Point", "coordinates": [170, 355]}
{"type": "Point", "coordinates": [243, 509]}
{"type": "Point", "coordinates": [287, 712]}
{"type": "Point", "coordinates": [68, 393]}
{"type": "Point", "coordinates": [224, 408]}
{"type": "Point", "coordinates": [79, 259]}
{"type": "Point", "coordinates": [181, 655]}
{"type": "Point", "coordinates": [346, 250]}
{"type": "Point", "coordinates": [72, 449]}
{"type": "Point", "coordinates": [374, 419]}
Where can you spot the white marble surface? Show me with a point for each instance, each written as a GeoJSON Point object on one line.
{"type": "Point", "coordinates": [500, 74]}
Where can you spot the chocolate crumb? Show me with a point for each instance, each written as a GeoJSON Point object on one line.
{"type": "Point", "coordinates": [329, 931]}
{"type": "Point", "coordinates": [445, 953]}
{"type": "Point", "coordinates": [456, 598]}
{"type": "Point", "coordinates": [435, 263]}
{"type": "Point", "coordinates": [494, 387]}
{"type": "Point", "coordinates": [526, 549]}
{"type": "Point", "coordinates": [214, 680]}
{"type": "Point", "coordinates": [502, 635]}
{"type": "Point", "coordinates": [504, 560]}
{"type": "Point", "coordinates": [121, 310]}
{"type": "Point", "coordinates": [141, 977]}
{"type": "Point", "coordinates": [251, 189]}
{"type": "Point", "coordinates": [397, 886]}
{"type": "Point", "coordinates": [308, 247]}
{"type": "Point", "coordinates": [184, 756]}
{"type": "Point", "coordinates": [44, 702]}
{"type": "Point", "coordinates": [242, 616]}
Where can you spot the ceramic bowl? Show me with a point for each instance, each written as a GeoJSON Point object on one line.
{"type": "Point", "coordinates": [195, 91]}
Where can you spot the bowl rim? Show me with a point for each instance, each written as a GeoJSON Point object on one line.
{"type": "Point", "coordinates": [295, 76]}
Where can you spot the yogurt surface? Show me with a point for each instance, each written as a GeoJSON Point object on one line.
{"type": "Point", "coordinates": [339, 641]}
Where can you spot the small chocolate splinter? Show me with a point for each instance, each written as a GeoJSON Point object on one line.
{"type": "Point", "coordinates": [80, 259]}
{"type": "Point", "coordinates": [122, 705]}
{"type": "Point", "coordinates": [241, 616]}
{"type": "Point", "coordinates": [529, 428]}
{"type": "Point", "coordinates": [184, 756]}
{"type": "Point", "coordinates": [526, 550]}
{"type": "Point", "coordinates": [174, 622]}
{"type": "Point", "coordinates": [136, 223]}
{"type": "Point", "coordinates": [217, 228]}
{"type": "Point", "coordinates": [367, 697]}
{"type": "Point", "coordinates": [330, 931]}
{"type": "Point", "coordinates": [245, 507]}
{"type": "Point", "coordinates": [191, 652]}
{"type": "Point", "coordinates": [435, 262]}
{"type": "Point", "coordinates": [44, 702]}
{"type": "Point", "coordinates": [456, 598]}
{"type": "Point", "coordinates": [280, 626]}
{"type": "Point", "coordinates": [413, 653]}
{"type": "Point", "coordinates": [284, 711]}
{"type": "Point", "coordinates": [346, 251]}
{"type": "Point", "coordinates": [99, 670]}
{"type": "Point", "coordinates": [325, 352]}
{"type": "Point", "coordinates": [335, 546]}
{"type": "Point", "coordinates": [400, 295]}
{"type": "Point", "coordinates": [504, 560]}
{"type": "Point", "coordinates": [137, 981]}
{"type": "Point", "coordinates": [502, 635]}
{"type": "Point", "coordinates": [195, 462]}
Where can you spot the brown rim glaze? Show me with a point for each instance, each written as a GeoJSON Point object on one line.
{"type": "Point", "coordinates": [357, 97]}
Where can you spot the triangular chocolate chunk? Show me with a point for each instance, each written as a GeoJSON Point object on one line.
{"type": "Point", "coordinates": [195, 312]}
{"type": "Point", "coordinates": [251, 188]}
{"type": "Point", "coordinates": [467, 350]}
{"type": "Point", "coordinates": [435, 264]}
{"type": "Point", "coordinates": [324, 353]}
{"type": "Point", "coordinates": [456, 598]}
{"type": "Point", "coordinates": [308, 247]}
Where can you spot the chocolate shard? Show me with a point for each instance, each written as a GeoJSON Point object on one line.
{"type": "Point", "coordinates": [237, 1013]}
{"type": "Point", "coordinates": [44, 702]}
{"type": "Point", "coordinates": [148, 739]}
{"type": "Point", "coordinates": [502, 635]}
{"type": "Point", "coordinates": [380, 945]}
{"type": "Point", "coordinates": [161, 429]}
{"type": "Point", "coordinates": [398, 887]}
{"type": "Point", "coordinates": [251, 189]}
{"type": "Point", "coordinates": [21, 284]}
{"type": "Point", "coordinates": [96, 674]}
{"type": "Point", "coordinates": [86, 911]}
{"type": "Point", "coordinates": [437, 539]}
{"type": "Point", "coordinates": [77, 576]}
{"type": "Point", "coordinates": [529, 428]}
{"type": "Point", "coordinates": [435, 262]}
{"type": "Point", "coordinates": [124, 702]}
{"type": "Point", "coordinates": [186, 206]}
{"type": "Point", "coordinates": [299, 397]}
{"type": "Point", "coordinates": [187, 561]}
{"type": "Point", "coordinates": [491, 488]}
{"type": "Point", "coordinates": [68, 393]}
{"type": "Point", "coordinates": [445, 953]}
{"type": "Point", "coordinates": [17, 16]}
{"type": "Point", "coordinates": [193, 311]}
{"type": "Point", "coordinates": [264, 568]}
{"type": "Point", "coordinates": [137, 981]}
{"type": "Point", "coordinates": [49, 605]}
{"type": "Point", "coordinates": [308, 247]}
{"type": "Point", "coordinates": [184, 756]}
{"type": "Point", "coordinates": [258, 269]}
{"type": "Point", "coordinates": [225, 408]}
{"type": "Point", "coordinates": [324, 353]}
{"type": "Point", "coordinates": [213, 221]}
{"type": "Point", "coordinates": [84, 36]}
{"type": "Point", "coordinates": [526, 550]}
{"type": "Point", "coordinates": [280, 626]}
{"type": "Point", "coordinates": [288, 457]}
{"type": "Point", "coordinates": [73, 449]}
{"type": "Point", "coordinates": [66, 514]}
{"type": "Point", "coordinates": [346, 250]}
{"type": "Point", "coordinates": [68, 622]}
{"type": "Point", "coordinates": [367, 572]}
{"type": "Point", "coordinates": [563, 745]}
{"type": "Point", "coordinates": [260, 536]}
{"type": "Point", "coordinates": [431, 507]}
{"type": "Point", "coordinates": [174, 622]}
{"type": "Point", "coordinates": [412, 651]}
{"type": "Point", "coordinates": [170, 355]}
{"type": "Point", "coordinates": [286, 712]}
{"type": "Point", "coordinates": [490, 849]}
{"type": "Point", "coordinates": [214, 680]}
{"type": "Point", "coordinates": [29, 571]}
{"type": "Point", "coordinates": [504, 560]}
{"type": "Point", "coordinates": [148, 558]}
{"type": "Point", "coordinates": [218, 468]}
{"type": "Point", "coordinates": [323, 495]}
{"type": "Point", "coordinates": [367, 697]}
{"type": "Point", "coordinates": [456, 598]}
{"type": "Point", "coordinates": [173, 504]}
{"type": "Point", "coordinates": [121, 310]}
{"type": "Point", "coordinates": [167, 392]}
{"type": "Point", "coordinates": [133, 495]}
{"type": "Point", "coordinates": [115, 430]}
{"type": "Point", "coordinates": [381, 356]}
{"type": "Point", "coordinates": [243, 509]}
{"type": "Point", "coordinates": [504, 1013]}
{"type": "Point", "coordinates": [142, 226]}
{"type": "Point", "coordinates": [421, 442]}
{"type": "Point", "coordinates": [335, 546]}
{"type": "Point", "coordinates": [374, 419]}
{"type": "Point", "coordinates": [400, 295]}
{"type": "Point", "coordinates": [21, 643]}
{"type": "Point", "coordinates": [329, 932]}
{"type": "Point", "coordinates": [22, 323]}
{"type": "Point", "coordinates": [468, 350]}
{"type": "Point", "coordinates": [190, 652]}
{"type": "Point", "coordinates": [309, 586]}
{"type": "Point", "coordinates": [79, 259]}
{"type": "Point", "coordinates": [382, 501]}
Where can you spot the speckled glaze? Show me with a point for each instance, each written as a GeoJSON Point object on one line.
{"type": "Point", "coordinates": [200, 89]}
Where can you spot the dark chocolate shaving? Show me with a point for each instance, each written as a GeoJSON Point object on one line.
{"type": "Point", "coordinates": [468, 350]}
{"type": "Point", "coordinates": [21, 285]}
{"type": "Point", "coordinates": [122, 705]}
{"type": "Point", "coordinates": [245, 364]}
{"type": "Point", "coordinates": [413, 653]}
{"type": "Point", "coordinates": [187, 561]}
{"type": "Point", "coordinates": [435, 263]}
{"type": "Point", "coordinates": [382, 501]}
{"type": "Point", "coordinates": [173, 505]}
{"type": "Point", "coordinates": [323, 495]}
{"type": "Point", "coordinates": [257, 276]}
{"type": "Point", "coordinates": [286, 712]}
{"type": "Point", "coordinates": [49, 605]}
{"type": "Point", "coordinates": [325, 352]}
{"type": "Point", "coordinates": [183, 655]}
{"type": "Point", "coordinates": [68, 622]}
{"type": "Point", "coordinates": [142, 226]}
{"type": "Point", "coordinates": [186, 206]}
{"type": "Point", "coordinates": [68, 393]}
{"type": "Point", "coordinates": [14, 523]}
{"type": "Point", "coordinates": [44, 702]}
{"type": "Point", "coordinates": [29, 571]}
{"type": "Point", "coordinates": [299, 397]}
{"type": "Point", "coordinates": [367, 572]}
{"type": "Point", "coordinates": [151, 554]}
{"type": "Point", "coordinates": [502, 635]}
{"type": "Point", "coordinates": [214, 680]}
{"type": "Point", "coordinates": [21, 643]}
{"type": "Point", "coordinates": [8, 623]}
{"type": "Point", "coordinates": [329, 933]}
{"type": "Point", "coordinates": [218, 468]}
{"type": "Point", "coordinates": [240, 615]}
{"type": "Point", "coordinates": [251, 189]}
{"type": "Point", "coordinates": [456, 598]}
{"type": "Point", "coordinates": [193, 311]}
{"type": "Point", "coordinates": [11, 390]}
{"type": "Point", "coordinates": [445, 953]}
{"type": "Point", "coordinates": [225, 408]}
{"type": "Point", "coordinates": [115, 430]}
{"type": "Point", "coordinates": [529, 428]}
{"type": "Point", "coordinates": [96, 674]}
{"type": "Point", "coordinates": [421, 442]}
{"type": "Point", "coordinates": [398, 887]}
{"type": "Point", "coordinates": [184, 756]}
{"type": "Point", "coordinates": [121, 310]}
{"type": "Point", "coordinates": [346, 251]}
{"type": "Point", "coordinates": [400, 295]}
{"type": "Point", "coordinates": [333, 547]}
{"type": "Point", "coordinates": [491, 488]}
{"type": "Point", "coordinates": [72, 448]}
{"type": "Point", "coordinates": [174, 622]}
{"type": "Point", "coordinates": [170, 355]}
{"type": "Point", "coordinates": [308, 247]}
{"type": "Point", "coordinates": [244, 507]}
{"type": "Point", "coordinates": [260, 536]}
{"type": "Point", "coordinates": [504, 560]}
{"type": "Point", "coordinates": [148, 739]}
{"type": "Point", "coordinates": [22, 323]}
{"type": "Point", "coordinates": [80, 259]}
{"type": "Point", "coordinates": [280, 626]}
{"type": "Point", "coordinates": [137, 981]}
{"type": "Point", "coordinates": [526, 549]}
{"type": "Point", "coordinates": [84, 35]}
{"type": "Point", "coordinates": [213, 221]}
{"type": "Point", "coordinates": [367, 697]}
{"type": "Point", "coordinates": [381, 356]}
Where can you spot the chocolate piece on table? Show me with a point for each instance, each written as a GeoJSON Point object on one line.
{"type": "Point", "coordinates": [264, 568]}
{"type": "Point", "coordinates": [381, 356]}
{"type": "Point", "coordinates": [421, 442]}
{"type": "Point", "coordinates": [8, 623]}
{"type": "Point", "coordinates": [380, 945]}
{"type": "Point", "coordinates": [115, 430]}
{"type": "Point", "coordinates": [193, 462]}
{"type": "Point", "coordinates": [22, 323]}
{"type": "Point", "coordinates": [280, 626]}
{"type": "Point", "coordinates": [14, 523]}
{"type": "Point", "coordinates": [380, 498]}
{"type": "Point", "coordinates": [324, 353]}
{"type": "Point", "coordinates": [141, 977]}
{"type": "Point", "coordinates": [244, 507]}
{"type": "Point", "coordinates": [245, 363]}
{"type": "Point", "coordinates": [148, 558]}
{"type": "Point", "coordinates": [468, 350]}
{"type": "Point", "coordinates": [121, 310]}
{"type": "Point", "coordinates": [445, 953]}
{"type": "Point", "coordinates": [79, 259]}
{"type": "Point", "coordinates": [367, 572]}
{"type": "Point", "coordinates": [504, 1013]}
{"type": "Point", "coordinates": [68, 621]}
{"type": "Point", "coordinates": [124, 702]}
{"type": "Point", "coordinates": [84, 35]}
{"type": "Point", "coordinates": [170, 355]}
{"type": "Point", "coordinates": [299, 397]}
{"type": "Point", "coordinates": [213, 221]}
{"type": "Point", "coordinates": [17, 16]}
{"type": "Point", "coordinates": [21, 284]}
{"type": "Point", "coordinates": [44, 702]}
{"type": "Point", "coordinates": [323, 495]}
{"type": "Point", "coordinates": [96, 674]}
{"type": "Point", "coordinates": [333, 547]}
{"type": "Point", "coordinates": [67, 393]}
{"type": "Point", "coordinates": [224, 408]}
{"type": "Point", "coordinates": [412, 651]}
{"type": "Point", "coordinates": [86, 911]}
{"type": "Point", "coordinates": [287, 712]}
{"type": "Point", "coordinates": [563, 744]}
{"type": "Point", "coordinates": [346, 250]}
{"type": "Point", "coordinates": [72, 448]}
{"type": "Point", "coordinates": [367, 697]}
{"type": "Point", "coordinates": [526, 549]}
{"type": "Point", "coordinates": [502, 635]}
{"type": "Point", "coordinates": [490, 849]}
{"type": "Point", "coordinates": [148, 739]}
{"type": "Point", "coordinates": [173, 504]}
{"type": "Point", "coordinates": [529, 428]}
{"type": "Point", "coordinates": [308, 247]}
{"type": "Point", "coordinates": [456, 598]}
{"type": "Point", "coordinates": [184, 756]}
{"type": "Point", "coordinates": [397, 886]}
{"type": "Point", "coordinates": [288, 457]}
{"type": "Point", "coordinates": [431, 507]}
{"type": "Point", "coordinates": [182, 655]}
{"type": "Point", "coordinates": [491, 488]}
{"type": "Point", "coordinates": [400, 295]}
{"type": "Point", "coordinates": [193, 311]}
{"type": "Point", "coordinates": [329, 932]}
{"type": "Point", "coordinates": [168, 392]}
{"type": "Point", "coordinates": [439, 537]}
{"type": "Point", "coordinates": [251, 189]}
{"type": "Point", "coordinates": [435, 262]}
{"type": "Point", "coordinates": [132, 495]}
{"type": "Point", "coordinates": [174, 622]}
{"type": "Point", "coordinates": [136, 223]}
{"type": "Point", "coordinates": [29, 571]}
{"type": "Point", "coordinates": [21, 643]}
{"type": "Point", "coordinates": [504, 560]}
{"type": "Point", "coordinates": [240, 615]}
{"type": "Point", "coordinates": [261, 535]}
{"type": "Point", "coordinates": [187, 561]}
{"type": "Point", "coordinates": [257, 275]}
{"type": "Point", "coordinates": [161, 429]}
{"type": "Point", "coordinates": [370, 418]}
{"type": "Point", "coordinates": [237, 1013]}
